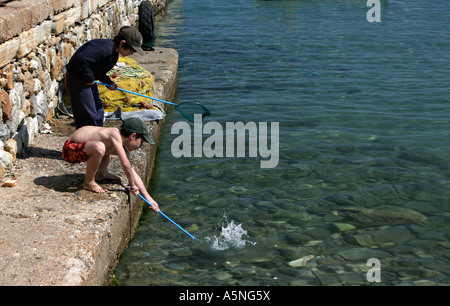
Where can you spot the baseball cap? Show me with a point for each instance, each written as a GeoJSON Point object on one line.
{"type": "Point", "coordinates": [133, 37]}
{"type": "Point", "coordinates": [136, 125]}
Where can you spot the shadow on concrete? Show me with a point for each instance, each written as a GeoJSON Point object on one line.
{"type": "Point", "coordinates": [62, 183]}
{"type": "Point", "coordinates": [40, 152]}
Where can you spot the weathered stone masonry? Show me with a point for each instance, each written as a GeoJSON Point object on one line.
{"type": "Point", "coordinates": [37, 39]}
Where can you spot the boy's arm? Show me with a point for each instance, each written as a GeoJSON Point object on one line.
{"type": "Point", "coordinates": [141, 188]}
{"type": "Point", "coordinates": [134, 181]}
{"type": "Point", "coordinates": [124, 158]}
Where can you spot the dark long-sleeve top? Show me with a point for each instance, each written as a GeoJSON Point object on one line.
{"type": "Point", "coordinates": [93, 60]}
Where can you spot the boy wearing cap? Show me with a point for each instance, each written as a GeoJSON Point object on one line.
{"type": "Point", "coordinates": [95, 145]}
{"type": "Point", "coordinates": [91, 62]}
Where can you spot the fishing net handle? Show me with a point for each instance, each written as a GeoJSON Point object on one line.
{"type": "Point", "coordinates": [179, 107]}
{"type": "Point", "coordinates": [138, 94]}
{"type": "Point", "coordinates": [165, 216]}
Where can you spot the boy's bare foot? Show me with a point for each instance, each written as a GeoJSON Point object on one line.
{"type": "Point", "coordinates": [94, 187]}
{"type": "Point", "coordinates": [107, 177]}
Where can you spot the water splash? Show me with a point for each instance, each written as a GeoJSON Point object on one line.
{"type": "Point", "coordinates": [231, 237]}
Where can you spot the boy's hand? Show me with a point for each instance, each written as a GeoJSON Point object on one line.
{"type": "Point", "coordinates": [113, 86]}
{"type": "Point", "coordinates": [155, 206]}
{"type": "Point", "coordinates": [134, 189]}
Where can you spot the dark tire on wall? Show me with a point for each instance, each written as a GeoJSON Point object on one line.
{"type": "Point", "coordinates": [146, 21]}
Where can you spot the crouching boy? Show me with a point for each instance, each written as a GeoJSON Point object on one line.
{"type": "Point", "coordinates": [95, 145]}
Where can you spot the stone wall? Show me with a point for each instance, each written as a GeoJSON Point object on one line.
{"type": "Point", "coordinates": [37, 39]}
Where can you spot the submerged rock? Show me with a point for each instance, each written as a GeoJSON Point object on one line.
{"type": "Point", "coordinates": [382, 237]}
{"type": "Point", "coordinates": [301, 262]}
{"type": "Point", "coordinates": [373, 217]}
{"type": "Point", "coordinates": [343, 227]}
{"type": "Point", "coordinates": [181, 252]}
{"type": "Point", "coordinates": [222, 276]}
{"type": "Point", "coordinates": [237, 189]}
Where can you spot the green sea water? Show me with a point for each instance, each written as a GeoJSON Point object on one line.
{"type": "Point", "coordinates": [364, 145]}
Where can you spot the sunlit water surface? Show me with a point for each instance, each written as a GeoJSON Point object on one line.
{"type": "Point", "coordinates": [364, 132]}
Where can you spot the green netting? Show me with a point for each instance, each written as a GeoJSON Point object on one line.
{"type": "Point", "coordinates": [190, 109]}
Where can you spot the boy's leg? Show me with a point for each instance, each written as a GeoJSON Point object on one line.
{"type": "Point", "coordinates": [96, 152]}
{"type": "Point", "coordinates": [103, 173]}
{"type": "Point", "coordinates": [99, 112]}
{"type": "Point", "coordinates": [87, 108]}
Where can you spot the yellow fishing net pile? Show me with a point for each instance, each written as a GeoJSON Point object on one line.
{"type": "Point", "coordinates": [128, 75]}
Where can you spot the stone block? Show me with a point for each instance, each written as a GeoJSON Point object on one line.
{"type": "Point", "coordinates": [28, 84]}
{"type": "Point", "coordinates": [32, 12]}
{"type": "Point", "coordinates": [6, 159]}
{"type": "Point", "coordinates": [32, 128]}
{"type": "Point", "coordinates": [8, 51]}
{"type": "Point", "coordinates": [88, 7]}
{"type": "Point", "coordinates": [62, 5]}
{"type": "Point", "coordinates": [11, 148]}
{"type": "Point", "coordinates": [26, 108]}
{"type": "Point", "coordinates": [4, 133]}
{"type": "Point", "coordinates": [64, 20]}
{"type": "Point", "coordinates": [59, 23]}
{"type": "Point", "coordinates": [29, 13]}
{"type": "Point", "coordinates": [9, 27]}
{"type": "Point", "coordinates": [73, 15]}
{"type": "Point", "coordinates": [29, 40]}
{"type": "Point", "coordinates": [16, 95]}
{"type": "Point", "coordinates": [6, 104]}
{"type": "Point", "coordinates": [2, 171]}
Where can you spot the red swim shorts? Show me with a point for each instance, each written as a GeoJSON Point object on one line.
{"type": "Point", "coordinates": [73, 152]}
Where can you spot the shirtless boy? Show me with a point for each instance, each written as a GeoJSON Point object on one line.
{"type": "Point", "coordinates": [95, 145]}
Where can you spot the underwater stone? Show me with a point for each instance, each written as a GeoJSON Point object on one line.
{"type": "Point", "coordinates": [194, 227]}
{"type": "Point", "coordinates": [181, 252]}
{"type": "Point", "coordinates": [373, 217]}
{"type": "Point", "coordinates": [378, 237]}
{"type": "Point", "coordinates": [222, 276]}
{"type": "Point", "coordinates": [343, 227]}
{"type": "Point", "coordinates": [298, 238]}
{"type": "Point", "coordinates": [362, 254]}
{"type": "Point", "coordinates": [301, 262]}
{"type": "Point", "coordinates": [215, 173]}
{"type": "Point", "coordinates": [176, 266]}
{"type": "Point", "coordinates": [300, 282]}
{"type": "Point", "coordinates": [237, 189]}
{"type": "Point", "coordinates": [320, 232]}
{"type": "Point", "coordinates": [329, 280]}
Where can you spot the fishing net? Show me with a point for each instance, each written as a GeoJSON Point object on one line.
{"type": "Point", "coordinates": [128, 75]}
{"type": "Point", "coordinates": [120, 105]}
{"type": "Point", "coordinates": [190, 109]}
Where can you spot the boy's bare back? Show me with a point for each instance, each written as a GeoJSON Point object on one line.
{"type": "Point", "coordinates": [106, 135]}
